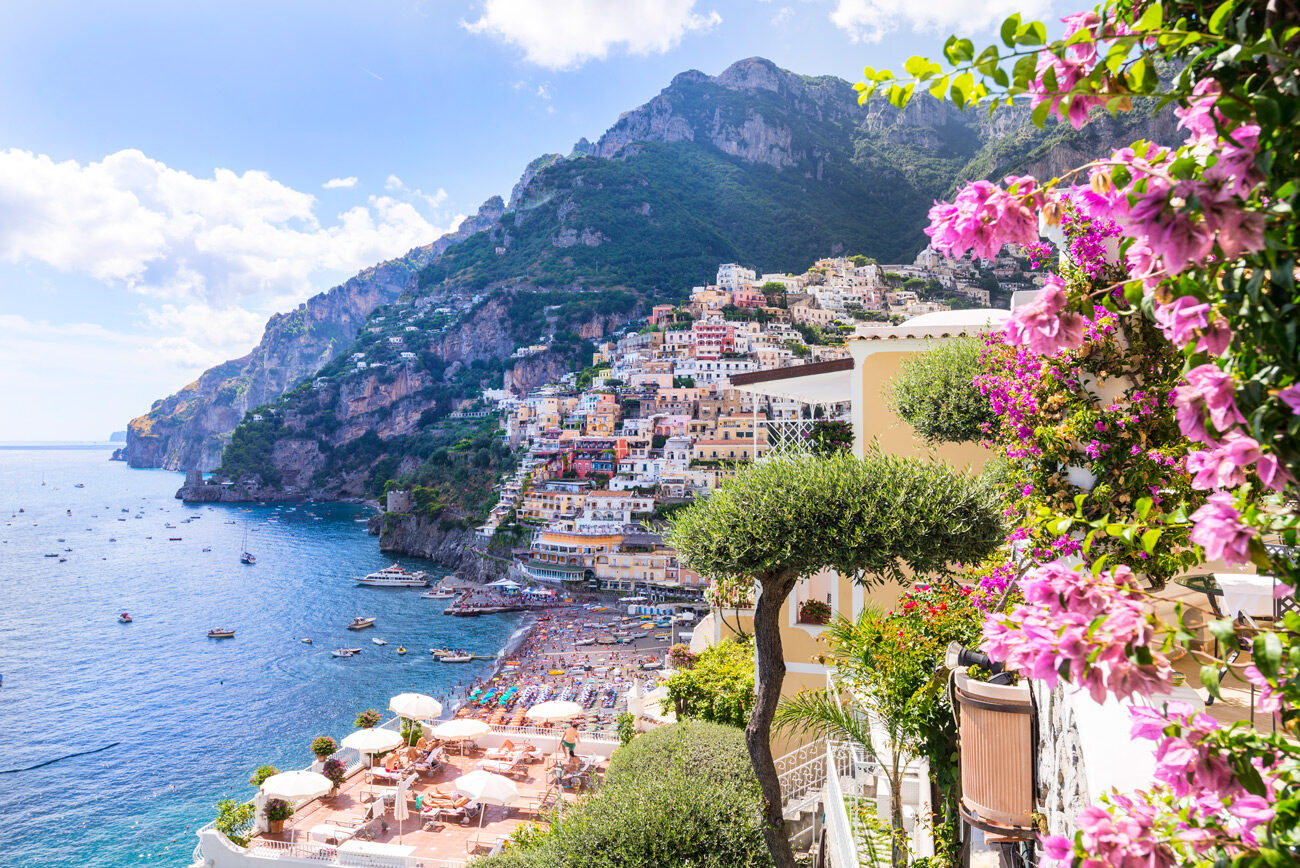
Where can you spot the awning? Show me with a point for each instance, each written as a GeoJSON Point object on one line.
{"type": "Point", "coordinates": [815, 383]}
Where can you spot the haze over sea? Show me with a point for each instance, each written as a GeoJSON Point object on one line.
{"type": "Point", "coordinates": [188, 718]}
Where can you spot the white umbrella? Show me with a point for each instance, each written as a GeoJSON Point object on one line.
{"type": "Point", "coordinates": [549, 712]}
{"type": "Point", "coordinates": [400, 811]}
{"type": "Point", "coordinates": [415, 706]}
{"type": "Point", "coordinates": [295, 787]}
{"type": "Point", "coordinates": [488, 789]}
{"type": "Point", "coordinates": [465, 727]}
{"type": "Point", "coordinates": [372, 741]}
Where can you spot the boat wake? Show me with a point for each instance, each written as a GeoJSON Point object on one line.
{"type": "Point", "coordinates": [60, 759]}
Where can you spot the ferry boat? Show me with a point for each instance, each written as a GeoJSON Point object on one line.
{"type": "Point", "coordinates": [360, 623]}
{"type": "Point", "coordinates": [395, 577]}
{"type": "Point", "coordinates": [221, 633]}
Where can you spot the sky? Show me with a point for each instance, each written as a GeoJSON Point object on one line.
{"type": "Point", "coordinates": [173, 173]}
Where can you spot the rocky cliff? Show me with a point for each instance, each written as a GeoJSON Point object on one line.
{"type": "Point", "coordinates": [451, 547]}
{"type": "Point", "coordinates": [190, 428]}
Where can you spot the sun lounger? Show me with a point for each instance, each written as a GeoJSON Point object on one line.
{"type": "Point", "coordinates": [511, 768]}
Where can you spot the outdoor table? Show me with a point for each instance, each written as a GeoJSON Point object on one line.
{"type": "Point", "coordinates": [1248, 593]}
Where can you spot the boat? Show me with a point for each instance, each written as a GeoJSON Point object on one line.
{"type": "Point", "coordinates": [52, 555]}
{"type": "Point", "coordinates": [395, 577]}
{"type": "Point", "coordinates": [401, 650]}
{"type": "Point", "coordinates": [205, 548]}
{"type": "Point", "coordinates": [360, 623]}
{"type": "Point", "coordinates": [439, 652]}
{"type": "Point", "coordinates": [346, 652]}
{"type": "Point", "coordinates": [438, 594]}
{"type": "Point", "coordinates": [587, 641]}
{"type": "Point", "coordinates": [124, 618]}
{"type": "Point", "coordinates": [221, 633]}
{"type": "Point", "coordinates": [174, 539]}
{"type": "Point", "coordinates": [247, 557]}
{"type": "Point", "coordinates": [458, 657]}
{"type": "Point", "coordinates": [305, 641]}
{"type": "Point", "coordinates": [378, 641]}
{"type": "Point", "coordinates": [80, 485]}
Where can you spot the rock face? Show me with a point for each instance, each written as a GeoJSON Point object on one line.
{"type": "Point", "coordinates": [1061, 773]}
{"type": "Point", "coordinates": [190, 428]}
{"type": "Point", "coordinates": [448, 546]}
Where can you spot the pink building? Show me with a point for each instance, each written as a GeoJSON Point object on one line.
{"type": "Point", "coordinates": [712, 339]}
{"type": "Point", "coordinates": [747, 296]}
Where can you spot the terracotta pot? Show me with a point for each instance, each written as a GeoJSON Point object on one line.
{"type": "Point", "coordinates": [997, 756]}
{"type": "Point", "coordinates": [275, 827]}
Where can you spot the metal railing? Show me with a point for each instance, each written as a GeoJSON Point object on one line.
{"type": "Point", "coordinates": [802, 773]}
{"type": "Point", "coordinates": [841, 840]}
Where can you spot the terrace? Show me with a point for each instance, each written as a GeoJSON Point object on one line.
{"type": "Point", "coordinates": [357, 827]}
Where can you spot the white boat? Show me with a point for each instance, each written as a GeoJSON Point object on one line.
{"type": "Point", "coordinates": [360, 623]}
{"type": "Point", "coordinates": [395, 577]}
{"type": "Point", "coordinates": [221, 633]}
{"type": "Point", "coordinates": [457, 658]}
{"type": "Point", "coordinates": [378, 641]}
{"type": "Point", "coordinates": [346, 652]}
{"type": "Point", "coordinates": [438, 594]}
{"type": "Point", "coordinates": [587, 641]}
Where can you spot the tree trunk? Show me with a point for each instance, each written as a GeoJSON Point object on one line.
{"type": "Point", "coordinates": [769, 662]}
{"type": "Point", "coordinates": [897, 834]}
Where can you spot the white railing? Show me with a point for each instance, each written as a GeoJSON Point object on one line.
{"type": "Point", "coordinates": [596, 735]}
{"type": "Point", "coordinates": [324, 854]}
{"type": "Point", "coordinates": [802, 773]}
{"type": "Point", "coordinates": [841, 841]}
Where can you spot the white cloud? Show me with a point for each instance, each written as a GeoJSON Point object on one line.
{"type": "Point", "coordinates": [561, 34]}
{"type": "Point", "coordinates": [340, 183]}
{"type": "Point", "coordinates": [870, 20]}
{"type": "Point", "coordinates": [133, 222]}
{"type": "Point", "coordinates": [544, 90]}
{"type": "Point", "coordinates": [784, 14]}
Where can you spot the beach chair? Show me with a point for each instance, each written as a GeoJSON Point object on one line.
{"type": "Point", "coordinates": [357, 824]}
{"type": "Point", "coordinates": [512, 767]}
{"type": "Point", "coordinates": [499, 753]}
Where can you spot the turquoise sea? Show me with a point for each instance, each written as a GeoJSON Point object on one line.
{"type": "Point", "coordinates": [177, 720]}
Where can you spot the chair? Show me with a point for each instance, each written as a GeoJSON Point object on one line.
{"type": "Point", "coordinates": [506, 749]}
{"type": "Point", "coordinates": [512, 767]}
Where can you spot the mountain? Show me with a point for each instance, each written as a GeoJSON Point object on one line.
{"type": "Point", "coordinates": [756, 165]}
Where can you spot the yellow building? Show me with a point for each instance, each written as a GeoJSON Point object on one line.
{"type": "Point", "coordinates": [547, 504]}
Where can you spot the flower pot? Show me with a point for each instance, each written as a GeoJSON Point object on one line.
{"type": "Point", "coordinates": [275, 827]}
{"type": "Point", "coordinates": [997, 756]}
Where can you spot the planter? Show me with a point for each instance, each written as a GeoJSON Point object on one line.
{"type": "Point", "coordinates": [275, 827]}
{"type": "Point", "coordinates": [997, 756]}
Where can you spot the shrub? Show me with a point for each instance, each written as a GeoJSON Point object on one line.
{"type": "Point", "coordinates": [324, 746]}
{"type": "Point", "coordinates": [626, 724]}
{"type": "Point", "coordinates": [262, 773]}
{"type": "Point", "coordinates": [336, 770]}
{"type": "Point", "coordinates": [935, 393]}
{"type": "Point", "coordinates": [367, 719]}
{"type": "Point", "coordinates": [235, 820]}
{"type": "Point", "coordinates": [680, 795]}
{"type": "Point", "coordinates": [680, 656]}
{"type": "Point", "coordinates": [719, 687]}
{"type": "Point", "coordinates": [277, 810]}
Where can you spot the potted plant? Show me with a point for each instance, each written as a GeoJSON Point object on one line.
{"type": "Point", "coordinates": [262, 773]}
{"type": "Point", "coordinates": [997, 764]}
{"type": "Point", "coordinates": [336, 770]}
{"type": "Point", "coordinates": [814, 612]}
{"type": "Point", "coordinates": [368, 719]}
{"type": "Point", "coordinates": [276, 812]}
{"type": "Point", "coordinates": [680, 656]}
{"type": "Point", "coordinates": [324, 746]}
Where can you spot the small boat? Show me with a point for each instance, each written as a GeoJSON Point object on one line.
{"type": "Point", "coordinates": [112, 539]}
{"type": "Point", "coordinates": [52, 555]}
{"type": "Point", "coordinates": [80, 485]}
{"type": "Point", "coordinates": [248, 558]}
{"type": "Point", "coordinates": [63, 560]}
{"type": "Point", "coordinates": [174, 539]}
{"type": "Point", "coordinates": [124, 618]}
{"type": "Point", "coordinates": [460, 657]}
{"type": "Point", "coordinates": [360, 623]}
{"type": "Point", "coordinates": [378, 641]}
{"type": "Point", "coordinates": [305, 641]}
{"type": "Point", "coordinates": [221, 633]}
{"type": "Point", "coordinates": [207, 548]}
{"type": "Point", "coordinates": [438, 594]}
{"type": "Point", "coordinates": [346, 652]}
{"type": "Point", "coordinates": [401, 650]}
{"type": "Point", "coordinates": [587, 641]}
{"type": "Point", "coordinates": [439, 652]}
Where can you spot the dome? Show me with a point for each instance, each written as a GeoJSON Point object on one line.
{"type": "Point", "coordinates": [961, 318]}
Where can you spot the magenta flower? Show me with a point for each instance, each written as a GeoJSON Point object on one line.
{"type": "Point", "coordinates": [1220, 531]}
{"type": "Point", "coordinates": [1181, 319]}
{"type": "Point", "coordinates": [1225, 465]}
{"type": "Point", "coordinates": [983, 217]}
{"type": "Point", "coordinates": [1206, 388]}
{"type": "Point", "coordinates": [1042, 326]}
{"type": "Point", "coordinates": [1291, 397]}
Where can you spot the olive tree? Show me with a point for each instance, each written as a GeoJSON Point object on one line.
{"type": "Point", "coordinates": [936, 393]}
{"type": "Point", "coordinates": [779, 521]}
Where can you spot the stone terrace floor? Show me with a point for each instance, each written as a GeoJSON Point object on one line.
{"type": "Point", "coordinates": [447, 841]}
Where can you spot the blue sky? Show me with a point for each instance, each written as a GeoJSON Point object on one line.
{"type": "Point", "coordinates": [172, 173]}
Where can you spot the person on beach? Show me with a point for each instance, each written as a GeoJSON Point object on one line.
{"type": "Point", "coordinates": [569, 741]}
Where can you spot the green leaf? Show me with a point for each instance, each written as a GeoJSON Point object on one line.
{"type": "Point", "coordinates": [1009, 29]}
{"type": "Point", "coordinates": [1151, 19]}
{"type": "Point", "coordinates": [1143, 507]}
{"type": "Point", "coordinates": [1210, 680]}
{"type": "Point", "coordinates": [1149, 540]}
{"type": "Point", "coordinates": [939, 87]}
{"type": "Point", "coordinates": [1267, 653]}
{"type": "Point", "coordinates": [916, 65]}
{"type": "Point", "coordinates": [1140, 75]}
{"type": "Point", "coordinates": [1216, 20]}
{"type": "Point", "coordinates": [1223, 630]}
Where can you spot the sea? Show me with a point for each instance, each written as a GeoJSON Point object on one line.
{"type": "Point", "coordinates": [117, 740]}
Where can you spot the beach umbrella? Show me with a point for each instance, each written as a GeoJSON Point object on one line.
{"type": "Point", "coordinates": [487, 789]}
{"type": "Point", "coordinates": [461, 729]}
{"type": "Point", "coordinates": [415, 706]}
{"type": "Point", "coordinates": [371, 741]}
{"type": "Point", "coordinates": [296, 787]}
{"type": "Point", "coordinates": [549, 712]}
{"type": "Point", "coordinates": [400, 810]}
